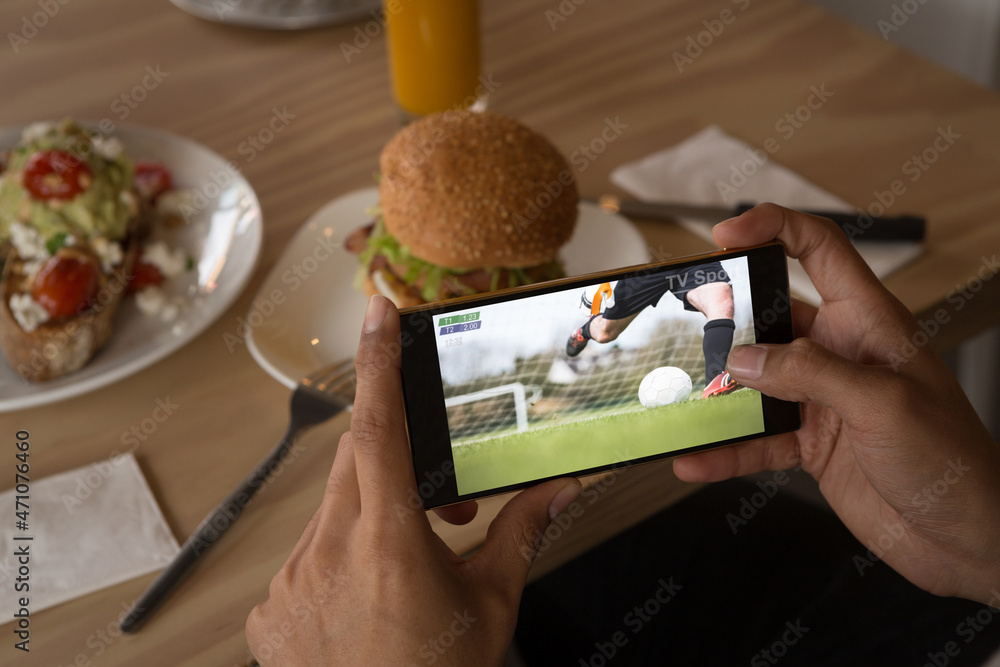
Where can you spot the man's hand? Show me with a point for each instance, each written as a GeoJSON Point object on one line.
{"type": "Point", "coordinates": [887, 432]}
{"type": "Point", "coordinates": [368, 584]}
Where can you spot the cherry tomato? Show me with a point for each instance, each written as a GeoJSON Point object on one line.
{"type": "Point", "coordinates": [55, 174]}
{"type": "Point", "coordinates": [144, 275]}
{"type": "Point", "coordinates": [66, 285]}
{"type": "Point", "coordinates": [152, 179]}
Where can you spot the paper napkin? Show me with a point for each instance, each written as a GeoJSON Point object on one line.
{"type": "Point", "coordinates": [90, 528]}
{"type": "Point", "coordinates": [712, 168]}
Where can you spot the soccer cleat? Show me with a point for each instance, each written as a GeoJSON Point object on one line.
{"type": "Point", "coordinates": [722, 384]}
{"type": "Point", "coordinates": [576, 343]}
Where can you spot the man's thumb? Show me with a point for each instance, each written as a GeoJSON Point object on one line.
{"type": "Point", "coordinates": [518, 531]}
{"type": "Point", "coordinates": [803, 371]}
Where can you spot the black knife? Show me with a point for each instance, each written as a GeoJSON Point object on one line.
{"type": "Point", "coordinates": [859, 226]}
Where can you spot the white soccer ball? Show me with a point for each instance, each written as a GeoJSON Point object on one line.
{"type": "Point", "coordinates": [663, 386]}
{"type": "Point", "coordinates": [605, 295]}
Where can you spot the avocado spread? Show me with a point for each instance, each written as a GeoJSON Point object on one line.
{"type": "Point", "coordinates": [101, 209]}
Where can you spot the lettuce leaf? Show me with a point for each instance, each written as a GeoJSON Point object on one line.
{"type": "Point", "coordinates": [430, 276]}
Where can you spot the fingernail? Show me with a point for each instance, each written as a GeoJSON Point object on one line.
{"type": "Point", "coordinates": [563, 499]}
{"type": "Point", "coordinates": [746, 362]}
{"type": "Point", "coordinates": [375, 314]}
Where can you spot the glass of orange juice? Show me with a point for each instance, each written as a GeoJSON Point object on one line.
{"type": "Point", "coordinates": [433, 54]}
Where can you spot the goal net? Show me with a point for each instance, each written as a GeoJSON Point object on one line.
{"type": "Point", "coordinates": [520, 379]}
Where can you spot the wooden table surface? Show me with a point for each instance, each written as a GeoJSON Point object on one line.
{"type": "Point", "coordinates": [562, 77]}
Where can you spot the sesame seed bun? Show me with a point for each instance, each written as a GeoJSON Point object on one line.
{"type": "Point", "coordinates": [472, 190]}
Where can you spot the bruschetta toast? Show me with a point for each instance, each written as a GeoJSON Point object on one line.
{"type": "Point", "coordinates": [74, 212]}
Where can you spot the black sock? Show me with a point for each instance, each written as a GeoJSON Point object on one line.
{"type": "Point", "coordinates": [585, 329]}
{"type": "Point", "coordinates": [716, 345]}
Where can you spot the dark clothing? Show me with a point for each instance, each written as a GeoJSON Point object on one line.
{"type": "Point", "coordinates": [716, 344]}
{"type": "Point", "coordinates": [744, 573]}
{"type": "Point", "coordinates": [634, 294]}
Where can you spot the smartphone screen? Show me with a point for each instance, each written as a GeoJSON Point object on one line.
{"type": "Point", "coordinates": [581, 375]}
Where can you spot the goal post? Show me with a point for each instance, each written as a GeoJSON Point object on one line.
{"type": "Point", "coordinates": [519, 391]}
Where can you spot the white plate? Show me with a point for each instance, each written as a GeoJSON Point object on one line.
{"type": "Point", "coordinates": [223, 238]}
{"type": "Point", "coordinates": [308, 313]}
{"type": "Point", "coordinates": [282, 15]}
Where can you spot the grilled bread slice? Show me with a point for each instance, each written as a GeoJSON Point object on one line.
{"type": "Point", "coordinates": [60, 346]}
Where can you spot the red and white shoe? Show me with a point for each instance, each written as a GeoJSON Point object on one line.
{"type": "Point", "coordinates": [722, 384]}
{"type": "Point", "coordinates": [576, 343]}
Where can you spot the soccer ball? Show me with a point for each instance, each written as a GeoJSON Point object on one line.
{"type": "Point", "coordinates": [663, 386]}
{"type": "Point", "coordinates": [604, 294]}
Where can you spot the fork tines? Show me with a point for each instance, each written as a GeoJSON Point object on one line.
{"type": "Point", "coordinates": [334, 378]}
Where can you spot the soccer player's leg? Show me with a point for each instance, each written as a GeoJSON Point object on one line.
{"type": "Point", "coordinates": [598, 328]}
{"type": "Point", "coordinates": [630, 297]}
{"type": "Point", "coordinates": [715, 301]}
{"type": "Point", "coordinates": [579, 338]}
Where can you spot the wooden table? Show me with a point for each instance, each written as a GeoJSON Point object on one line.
{"type": "Point", "coordinates": [562, 77]}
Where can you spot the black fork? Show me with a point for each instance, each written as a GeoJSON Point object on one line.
{"type": "Point", "coordinates": [318, 397]}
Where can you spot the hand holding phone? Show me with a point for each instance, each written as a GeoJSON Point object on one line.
{"type": "Point", "coordinates": [369, 582]}
{"type": "Point", "coordinates": [584, 374]}
{"type": "Point", "coordinates": [893, 442]}
{"type": "Point", "coordinates": [921, 424]}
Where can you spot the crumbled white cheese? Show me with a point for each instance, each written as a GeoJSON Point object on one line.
{"type": "Point", "coordinates": [109, 148]}
{"type": "Point", "coordinates": [154, 302]}
{"type": "Point", "coordinates": [150, 300]}
{"type": "Point", "coordinates": [129, 201]}
{"type": "Point", "coordinates": [35, 131]}
{"type": "Point", "coordinates": [170, 262]}
{"type": "Point", "coordinates": [109, 252]}
{"type": "Point", "coordinates": [28, 312]}
{"type": "Point", "coordinates": [31, 269]}
{"type": "Point", "coordinates": [28, 242]}
{"type": "Point", "coordinates": [171, 309]}
{"type": "Point", "coordinates": [179, 202]}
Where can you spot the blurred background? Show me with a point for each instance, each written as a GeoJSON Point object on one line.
{"type": "Point", "coordinates": [964, 36]}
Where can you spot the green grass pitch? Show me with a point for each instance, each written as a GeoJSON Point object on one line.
{"type": "Point", "coordinates": [556, 449]}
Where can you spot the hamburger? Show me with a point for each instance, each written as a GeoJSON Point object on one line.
{"type": "Point", "coordinates": [468, 203]}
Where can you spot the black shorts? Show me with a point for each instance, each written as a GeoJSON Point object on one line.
{"type": "Point", "coordinates": [634, 294]}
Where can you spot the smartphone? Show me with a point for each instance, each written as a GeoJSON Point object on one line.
{"type": "Point", "coordinates": [503, 390]}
